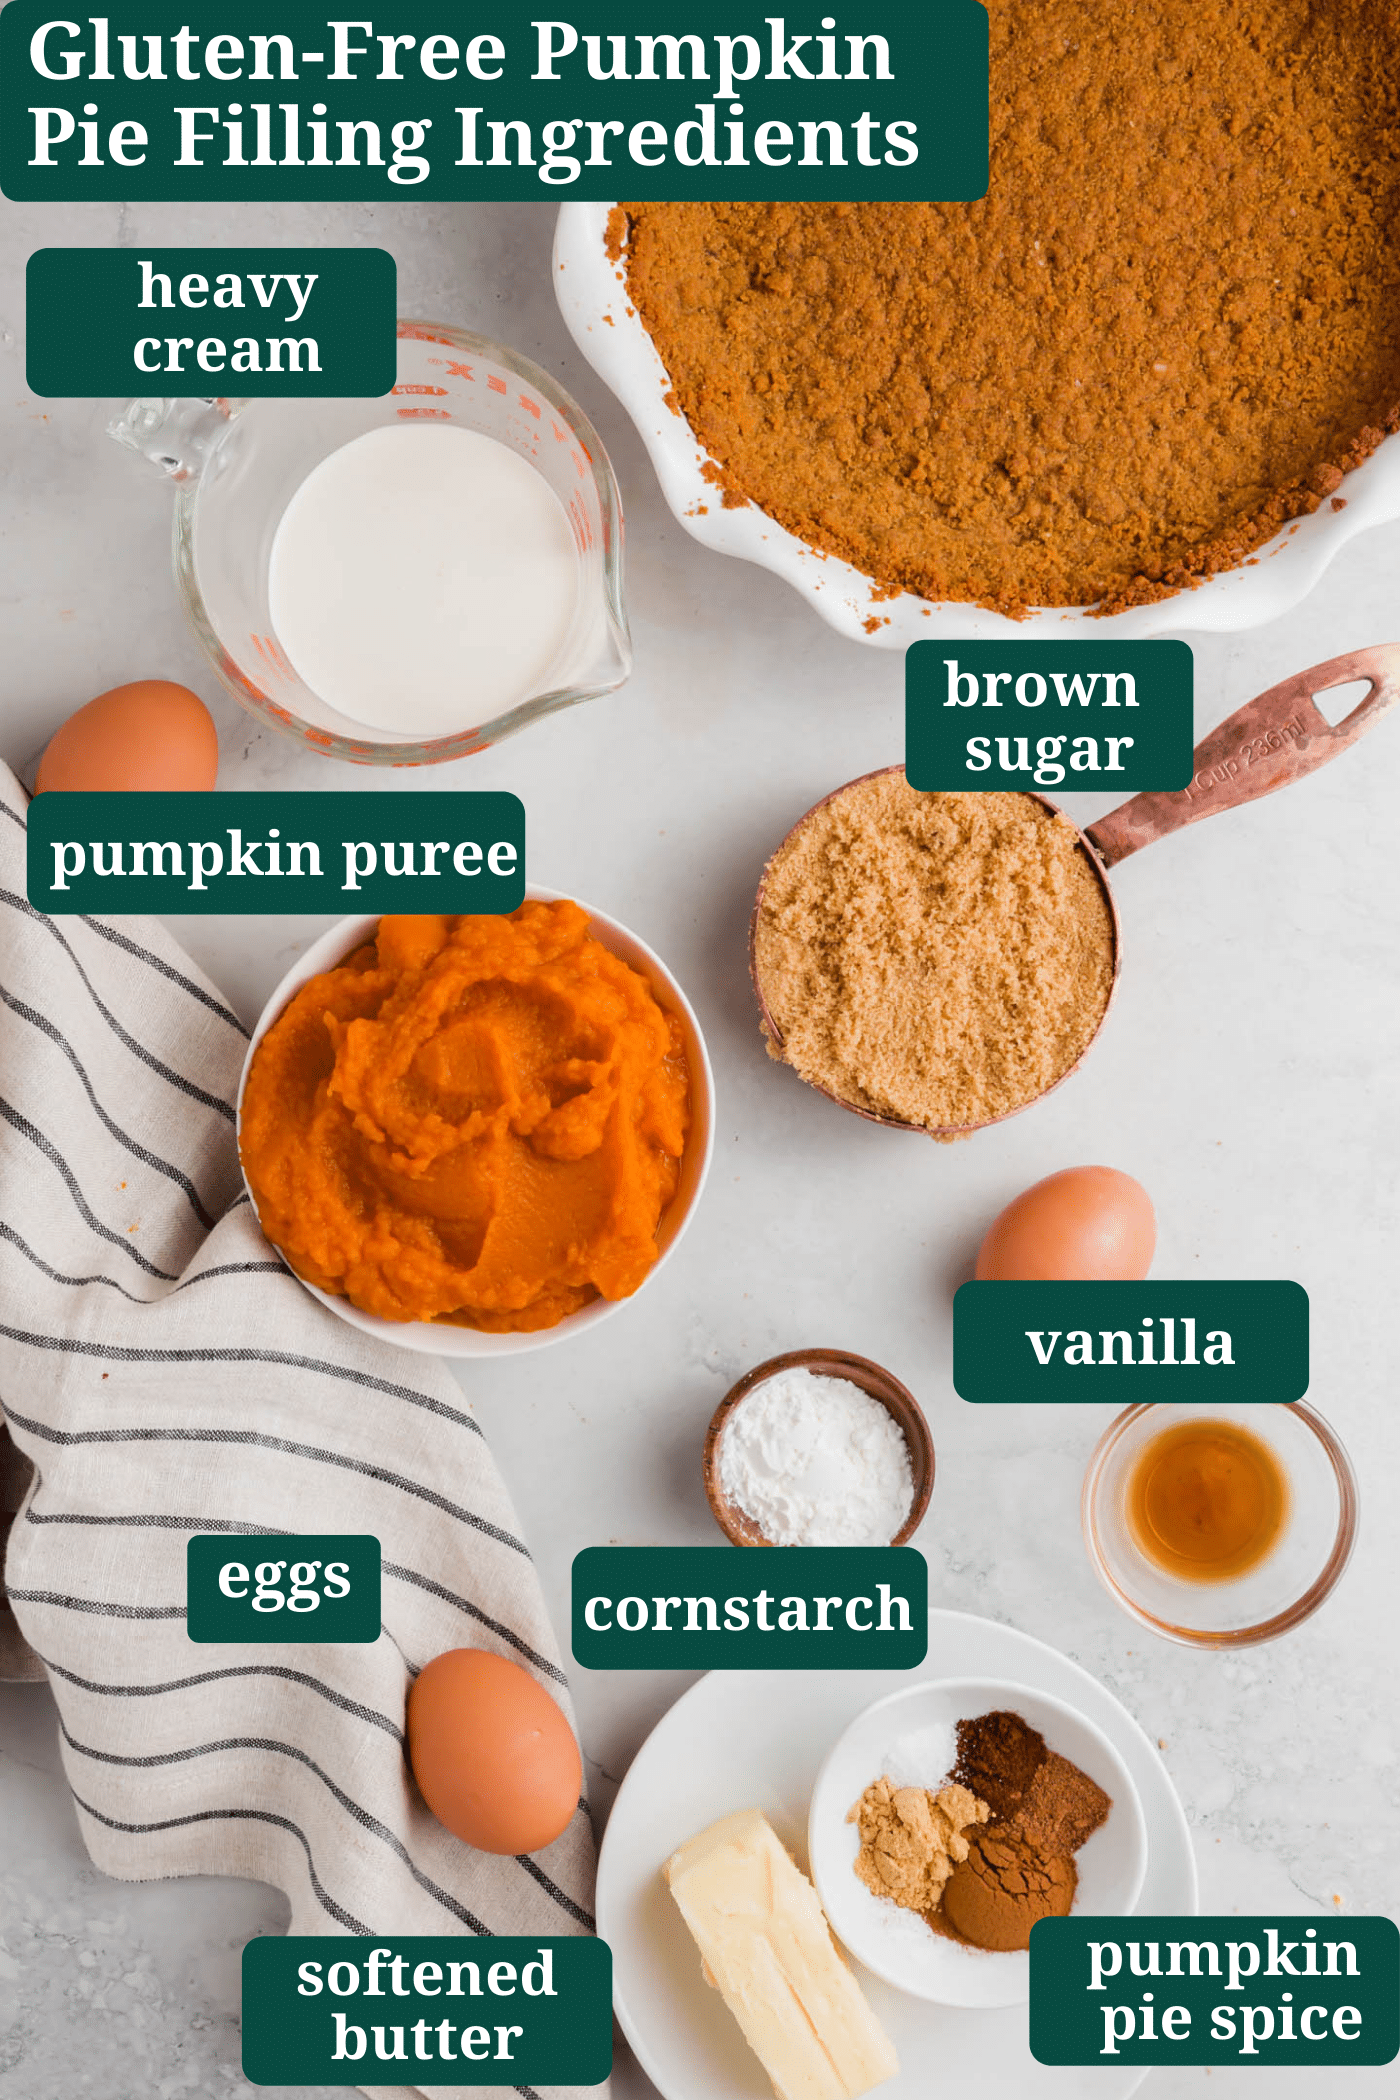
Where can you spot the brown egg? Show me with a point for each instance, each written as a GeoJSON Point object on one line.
{"type": "Point", "coordinates": [1084, 1222]}
{"type": "Point", "coordinates": [494, 1758]}
{"type": "Point", "coordinates": [150, 734]}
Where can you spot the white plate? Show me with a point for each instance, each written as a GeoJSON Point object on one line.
{"type": "Point", "coordinates": [436, 1337]}
{"type": "Point", "coordinates": [755, 1739]}
{"type": "Point", "coordinates": [592, 297]}
{"type": "Point", "coordinates": [1111, 1865]}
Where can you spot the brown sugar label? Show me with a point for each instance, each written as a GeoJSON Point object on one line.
{"type": "Point", "coordinates": [1048, 716]}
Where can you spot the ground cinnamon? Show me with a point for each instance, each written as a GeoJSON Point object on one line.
{"type": "Point", "coordinates": [1169, 328]}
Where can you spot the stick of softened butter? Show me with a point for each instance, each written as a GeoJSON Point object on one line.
{"type": "Point", "coordinates": [767, 1948]}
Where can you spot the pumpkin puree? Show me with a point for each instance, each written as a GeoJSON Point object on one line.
{"type": "Point", "coordinates": [477, 1120]}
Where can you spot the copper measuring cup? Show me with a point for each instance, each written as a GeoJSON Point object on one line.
{"type": "Point", "coordinates": [1265, 745]}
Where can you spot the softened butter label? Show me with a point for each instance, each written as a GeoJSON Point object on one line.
{"type": "Point", "coordinates": [1230, 1990]}
{"type": "Point", "coordinates": [265, 852]}
{"type": "Point", "coordinates": [1127, 1342]}
{"type": "Point", "coordinates": [200, 321]}
{"type": "Point", "coordinates": [625, 101]}
{"type": "Point", "coordinates": [420, 2010]}
{"type": "Point", "coordinates": [318, 1587]}
{"type": "Point", "coordinates": [728, 1608]}
{"type": "Point", "coordinates": [1048, 716]}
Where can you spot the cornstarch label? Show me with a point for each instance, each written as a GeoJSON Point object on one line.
{"type": "Point", "coordinates": [735, 1608]}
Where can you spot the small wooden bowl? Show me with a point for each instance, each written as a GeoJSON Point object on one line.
{"type": "Point", "coordinates": [881, 1385]}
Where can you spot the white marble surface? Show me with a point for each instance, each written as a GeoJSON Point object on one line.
{"type": "Point", "coordinates": [1246, 1076]}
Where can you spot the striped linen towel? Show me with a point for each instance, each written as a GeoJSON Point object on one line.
{"type": "Point", "coordinates": [162, 1373]}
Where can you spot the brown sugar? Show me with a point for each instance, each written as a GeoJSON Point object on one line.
{"type": "Point", "coordinates": [1170, 327]}
{"type": "Point", "coordinates": [939, 958]}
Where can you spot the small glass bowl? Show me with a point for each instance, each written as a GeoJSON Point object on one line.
{"type": "Point", "coordinates": [1286, 1587]}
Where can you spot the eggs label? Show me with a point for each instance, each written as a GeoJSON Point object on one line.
{"type": "Point", "coordinates": [477, 2011]}
{"type": "Point", "coordinates": [1131, 1341]}
{"type": "Point", "coordinates": [284, 321]}
{"type": "Point", "coordinates": [1224, 1990]}
{"type": "Point", "coordinates": [988, 715]}
{"type": "Point", "coordinates": [276, 852]}
{"type": "Point", "coordinates": [285, 1587]}
{"type": "Point", "coordinates": [787, 1608]}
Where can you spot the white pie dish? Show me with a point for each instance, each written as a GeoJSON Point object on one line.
{"type": "Point", "coordinates": [592, 295]}
{"type": "Point", "coordinates": [435, 1337]}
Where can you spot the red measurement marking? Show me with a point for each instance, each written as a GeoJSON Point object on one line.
{"type": "Point", "coordinates": [460, 371]}
{"type": "Point", "coordinates": [405, 389]}
{"type": "Point", "coordinates": [410, 334]}
{"type": "Point", "coordinates": [578, 464]}
{"type": "Point", "coordinates": [442, 414]}
{"type": "Point", "coordinates": [532, 406]}
{"type": "Point", "coordinates": [560, 437]}
{"type": "Point", "coordinates": [497, 386]}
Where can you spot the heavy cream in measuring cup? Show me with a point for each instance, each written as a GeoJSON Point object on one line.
{"type": "Point", "coordinates": [423, 579]}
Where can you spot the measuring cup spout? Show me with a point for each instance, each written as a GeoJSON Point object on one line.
{"type": "Point", "coordinates": [174, 435]}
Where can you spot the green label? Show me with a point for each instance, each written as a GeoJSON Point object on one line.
{"type": "Point", "coordinates": [1129, 1342]}
{"type": "Point", "coordinates": [1048, 715]}
{"type": "Point", "coordinates": [445, 2011]}
{"type": "Point", "coordinates": [1215, 1991]}
{"type": "Point", "coordinates": [750, 1608]}
{"type": "Point", "coordinates": [307, 1586]}
{"type": "Point", "coordinates": [293, 106]}
{"type": "Point", "coordinates": [211, 320]}
{"type": "Point", "coordinates": [293, 852]}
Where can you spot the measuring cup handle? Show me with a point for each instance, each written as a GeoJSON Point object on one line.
{"type": "Point", "coordinates": [1263, 746]}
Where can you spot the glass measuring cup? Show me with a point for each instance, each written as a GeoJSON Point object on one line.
{"type": "Point", "coordinates": [237, 463]}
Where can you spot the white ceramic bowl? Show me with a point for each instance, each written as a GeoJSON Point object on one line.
{"type": "Point", "coordinates": [436, 1338]}
{"type": "Point", "coordinates": [896, 1944]}
{"type": "Point", "coordinates": [593, 298]}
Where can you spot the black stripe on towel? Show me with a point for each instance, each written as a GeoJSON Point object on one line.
{"type": "Point", "coordinates": [473, 1611]}
{"type": "Point", "coordinates": [41, 1144]}
{"type": "Point", "coordinates": [113, 1353]}
{"type": "Point", "coordinates": [232, 1268]}
{"type": "Point", "coordinates": [185, 1684]}
{"type": "Point", "coordinates": [237, 1526]}
{"type": "Point", "coordinates": [270, 1743]}
{"type": "Point", "coordinates": [129, 1143]}
{"type": "Point", "coordinates": [552, 1888]}
{"type": "Point", "coordinates": [75, 1282]}
{"type": "Point", "coordinates": [237, 1815]}
{"type": "Point", "coordinates": [255, 1440]}
{"type": "Point", "coordinates": [97, 1607]}
{"type": "Point", "coordinates": [186, 984]}
{"type": "Point", "coordinates": [186, 1086]}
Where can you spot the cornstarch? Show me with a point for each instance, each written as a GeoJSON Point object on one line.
{"type": "Point", "coordinates": [816, 1462]}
